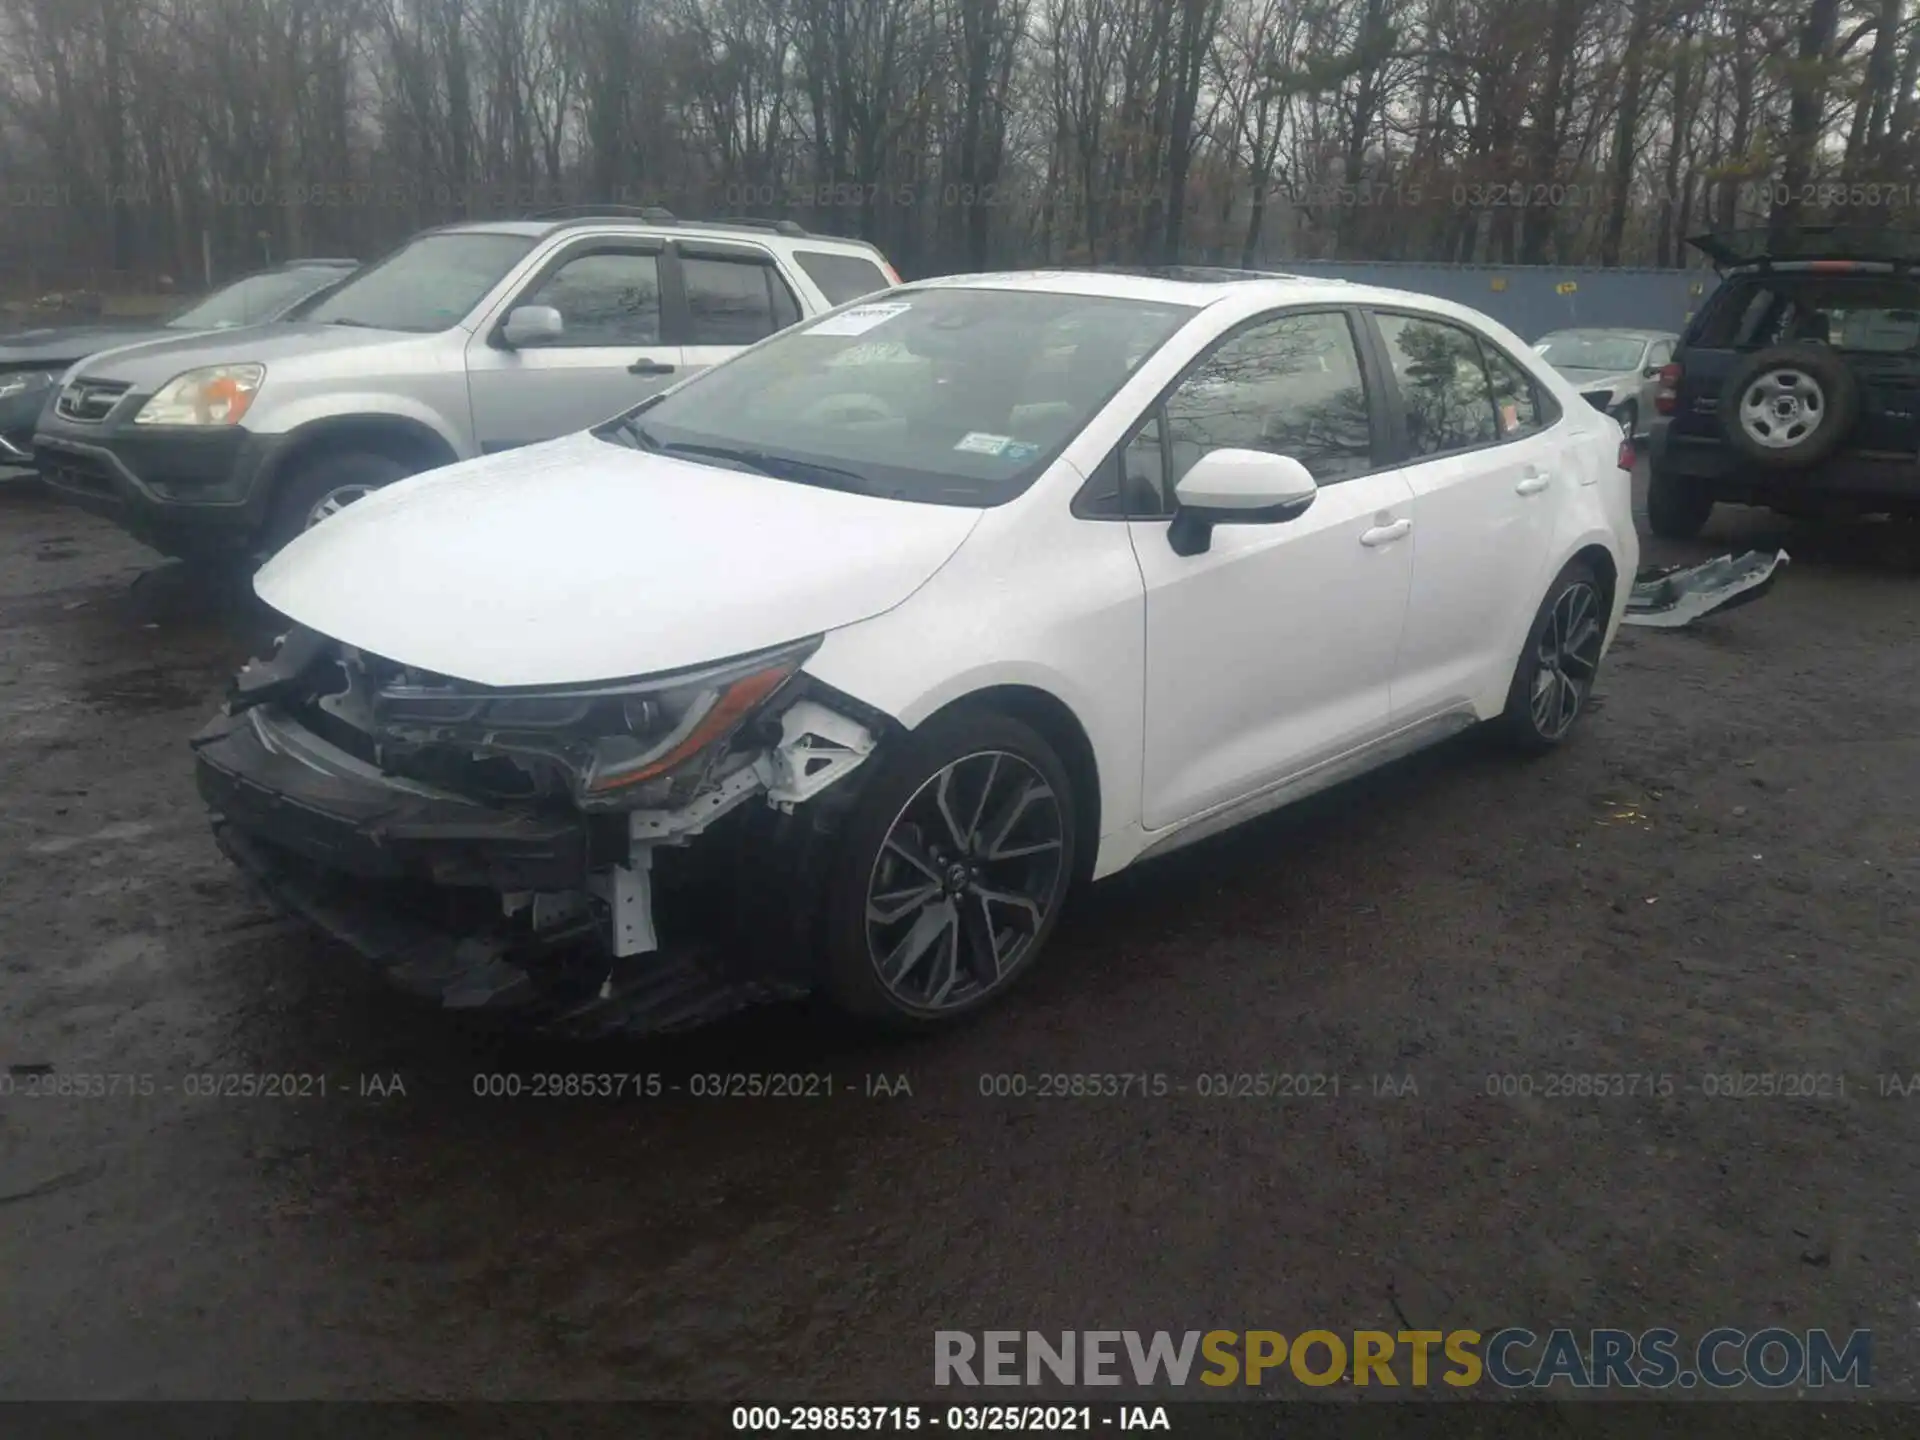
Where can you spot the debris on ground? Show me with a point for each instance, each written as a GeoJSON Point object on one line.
{"type": "Point", "coordinates": [1680, 594]}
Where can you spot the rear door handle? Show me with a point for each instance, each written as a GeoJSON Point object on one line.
{"type": "Point", "coordinates": [649, 367]}
{"type": "Point", "coordinates": [1386, 534]}
{"type": "Point", "coordinates": [1533, 482]}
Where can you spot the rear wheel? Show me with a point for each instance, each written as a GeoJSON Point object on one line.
{"type": "Point", "coordinates": [1677, 506]}
{"type": "Point", "coordinates": [326, 485]}
{"type": "Point", "coordinates": [1554, 679]}
{"type": "Point", "coordinates": [952, 871]}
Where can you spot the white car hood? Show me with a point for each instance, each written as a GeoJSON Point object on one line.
{"type": "Point", "coordinates": [578, 560]}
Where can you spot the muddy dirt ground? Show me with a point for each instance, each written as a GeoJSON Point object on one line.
{"type": "Point", "coordinates": [1722, 874]}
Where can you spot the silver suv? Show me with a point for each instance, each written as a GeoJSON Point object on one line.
{"type": "Point", "coordinates": [468, 339]}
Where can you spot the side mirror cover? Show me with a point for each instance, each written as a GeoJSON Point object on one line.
{"type": "Point", "coordinates": [1237, 487]}
{"type": "Point", "coordinates": [531, 325]}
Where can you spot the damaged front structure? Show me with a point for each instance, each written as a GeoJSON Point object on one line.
{"type": "Point", "coordinates": [623, 858]}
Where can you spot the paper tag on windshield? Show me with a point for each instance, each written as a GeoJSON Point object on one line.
{"type": "Point", "coordinates": [860, 319]}
{"type": "Point", "coordinates": [978, 442]}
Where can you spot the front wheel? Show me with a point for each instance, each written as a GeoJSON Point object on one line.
{"type": "Point", "coordinates": [1554, 679]}
{"type": "Point", "coordinates": [952, 872]}
{"type": "Point", "coordinates": [326, 485]}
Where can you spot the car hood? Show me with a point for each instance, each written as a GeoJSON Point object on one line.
{"type": "Point", "coordinates": [578, 560]}
{"type": "Point", "coordinates": [153, 363]}
{"type": "Point", "coordinates": [58, 346]}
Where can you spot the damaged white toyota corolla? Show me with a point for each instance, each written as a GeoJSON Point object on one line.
{"type": "Point", "coordinates": [836, 665]}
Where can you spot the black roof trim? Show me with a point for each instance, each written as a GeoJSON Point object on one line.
{"type": "Point", "coordinates": [660, 215]}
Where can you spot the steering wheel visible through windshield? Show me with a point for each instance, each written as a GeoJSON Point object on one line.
{"type": "Point", "coordinates": [957, 396]}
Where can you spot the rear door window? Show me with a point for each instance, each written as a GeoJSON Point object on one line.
{"type": "Point", "coordinates": [734, 302]}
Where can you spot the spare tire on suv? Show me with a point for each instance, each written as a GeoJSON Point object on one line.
{"type": "Point", "coordinates": [1789, 406]}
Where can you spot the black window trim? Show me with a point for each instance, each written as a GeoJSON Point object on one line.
{"type": "Point", "coordinates": [579, 250]}
{"type": "Point", "coordinates": [1545, 403]}
{"type": "Point", "coordinates": [1371, 378]}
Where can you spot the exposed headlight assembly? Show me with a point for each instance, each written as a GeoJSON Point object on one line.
{"type": "Point", "coordinates": [29, 382]}
{"type": "Point", "coordinates": [215, 395]}
{"type": "Point", "coordinates": [611, 740]}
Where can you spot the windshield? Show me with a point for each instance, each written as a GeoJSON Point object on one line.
{"type": "Point", "coordinates": [425, 286]}
{"type": "Point", "coordinates": [953, 396]}
{"type": "Point", "coordinates": [254, 300]}
{"type": "Point", "coordinates": [1591, 352]}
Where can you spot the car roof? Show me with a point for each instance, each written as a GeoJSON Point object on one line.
{"type": "Point", "coordinates": [1159, 285]}
{"type": "Point", "coordinates": [538, 228]}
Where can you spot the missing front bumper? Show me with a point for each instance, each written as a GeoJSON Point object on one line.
{"type": "Point", "coordinates": [1679, 595]}
{"type": "Point", "coordinates": [549, 916]}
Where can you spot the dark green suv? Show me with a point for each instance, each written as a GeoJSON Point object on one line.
{"type": "Point", "coordinates": [1797, 385]}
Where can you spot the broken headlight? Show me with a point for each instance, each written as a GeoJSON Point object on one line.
{"type": "Point", "coordinates": [610, 740]}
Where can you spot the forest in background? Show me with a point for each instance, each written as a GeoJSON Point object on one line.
{"type": "Point", "coordinates": [174, 137]}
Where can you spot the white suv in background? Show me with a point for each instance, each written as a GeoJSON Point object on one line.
{"type": "Point", "coordinates": [468, 339]}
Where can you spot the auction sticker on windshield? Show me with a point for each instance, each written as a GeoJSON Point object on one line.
{"type": "Point", "coordinates": [860, 319]}
{"type": "Point", "coordinates": [978, 442]}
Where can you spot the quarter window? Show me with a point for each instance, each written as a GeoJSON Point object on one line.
{"type": "Point", "coordinates": [841, 277]}
{"type": "Point", "coordinates": [609, 297]}
{"type": "Point", "coordinates": [1443, 385]}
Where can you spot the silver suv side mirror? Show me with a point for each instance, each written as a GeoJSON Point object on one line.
{"type": "Point", "coordinates": [532, 325]}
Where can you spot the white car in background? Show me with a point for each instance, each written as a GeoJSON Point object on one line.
{"type": "Point", "coordinates": [855, 651]}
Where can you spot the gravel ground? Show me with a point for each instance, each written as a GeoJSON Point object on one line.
{"type": "Point", "coordinates": [1719, 875]}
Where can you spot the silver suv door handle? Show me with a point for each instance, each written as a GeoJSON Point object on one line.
{"type": "Point", "coordinates": [1533, 482]}
{"type": "Point", "coordinates": [1386, 534]}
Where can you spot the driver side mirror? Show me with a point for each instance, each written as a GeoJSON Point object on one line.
{"type": "Point", "coordinates": [531, 325]}
{"type": "Point", "coordinates": [1652, 372]}
{"type": "Point", "coordinates": [1237, 487]}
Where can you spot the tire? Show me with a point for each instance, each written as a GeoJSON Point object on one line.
{"type": "Point", "coordinates": [897, 847]}
{"type": "Point", "coordinates": [1789, 407]}
{"type": "Point", "coordinates": [342, 476]}
{"type": "Point", "coordinates": [1629, 417]}
{"type": "Point", "coordinates": [1677, 507]}
{"type": "Point", "coordinates": [1545, 680]}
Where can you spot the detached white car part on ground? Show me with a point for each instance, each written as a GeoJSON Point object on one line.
{"type": "Point", "coordinates": [834, 666]}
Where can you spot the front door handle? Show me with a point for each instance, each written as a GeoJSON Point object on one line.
{"type": "Point", "coordinates": [1386, 534]}
{"type": "Point", "coordinates": [649, 367]}
{"type": "Point", "coordinates": [1533, 482]}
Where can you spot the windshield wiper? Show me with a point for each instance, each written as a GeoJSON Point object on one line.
{"type": "Point", "coordinates": [356, 324]}
{"type": "Point", "coordinates": [781, 467]}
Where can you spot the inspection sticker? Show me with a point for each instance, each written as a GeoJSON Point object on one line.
{"type": "Point", "coordinates": [978, 442]}
{"type": "Point", "coordinates": [860, 319]}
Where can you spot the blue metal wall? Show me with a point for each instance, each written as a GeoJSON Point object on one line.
{"type": "Point", "coordinates": [1528, 299]}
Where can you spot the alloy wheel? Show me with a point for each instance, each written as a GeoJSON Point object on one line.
{"type": "Point", "coordinates": [1567, 659]}
{"type": "Point", "coordinates": [967, 876]}
{"type": "Point", "coordinates": [1781, 408]}
{"type": "Point", "coordinates": [334, 501]}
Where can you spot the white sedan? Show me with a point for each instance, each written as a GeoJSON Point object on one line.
{"type": "Point", "coordinates": [833, 667]}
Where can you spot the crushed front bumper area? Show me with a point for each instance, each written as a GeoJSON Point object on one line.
{"type": "Point", "coordinates": [555, 918]}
